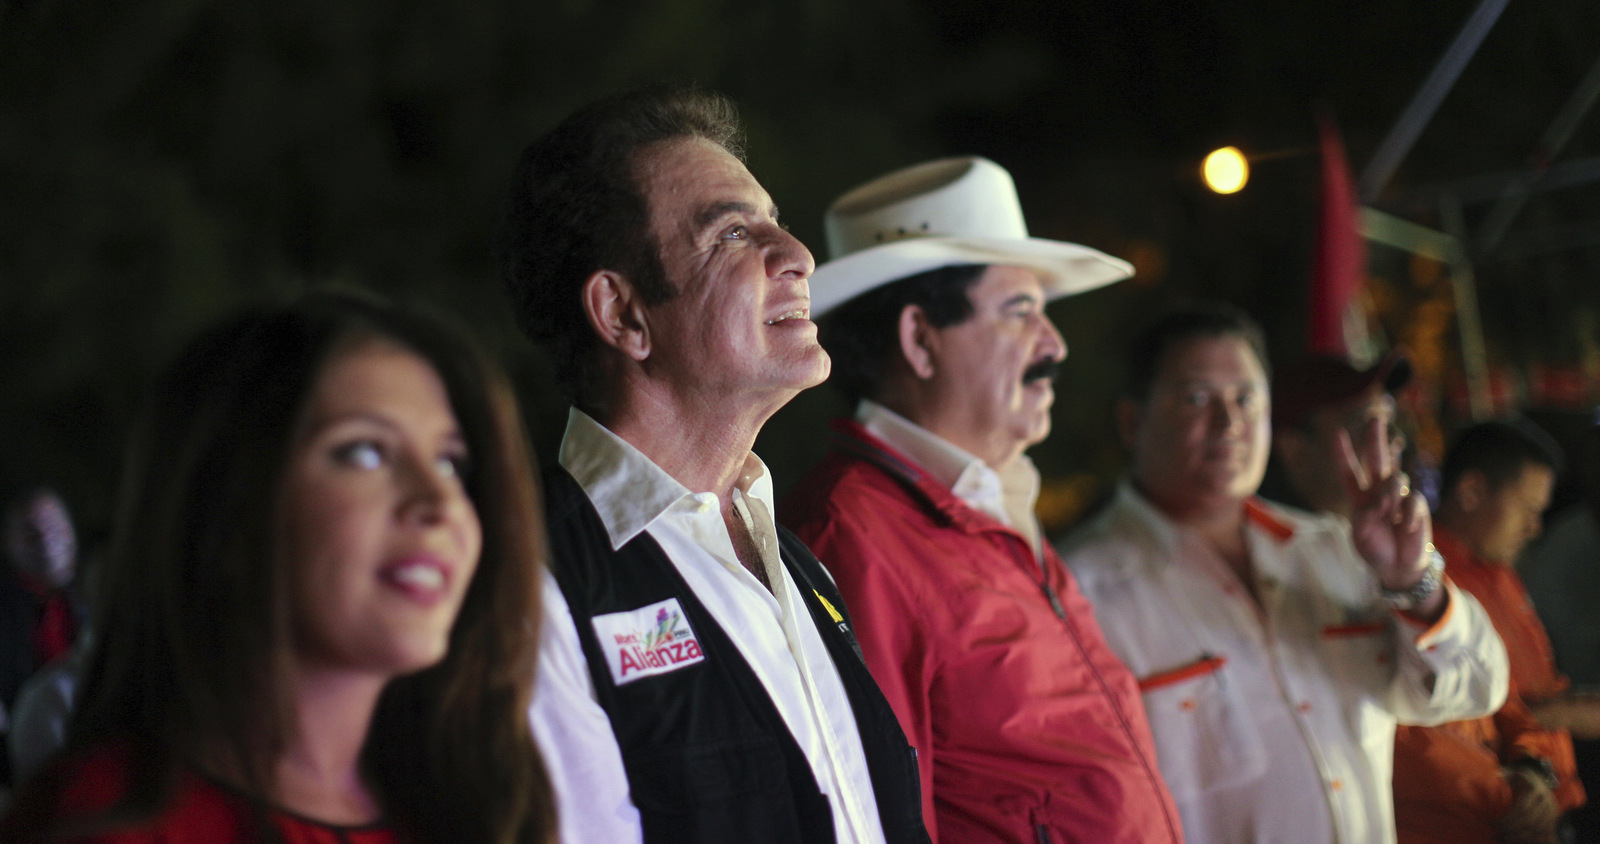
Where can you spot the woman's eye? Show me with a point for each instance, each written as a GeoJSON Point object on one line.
{"type": "Point", "coordinates": [1195, 398]}
{"type": "Point", "coordinates": [454, 466]}
{"type": "Point", "coordinates": [360, 455]}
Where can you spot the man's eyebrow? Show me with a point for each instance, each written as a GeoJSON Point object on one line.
{"type": "Point", "coordinates": [717, 210]}
{"type": "Point", "coordinates": [1021, 299]}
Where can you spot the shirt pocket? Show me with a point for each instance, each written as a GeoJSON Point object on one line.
{"type": "Point", "coordinates": [1203, 737]}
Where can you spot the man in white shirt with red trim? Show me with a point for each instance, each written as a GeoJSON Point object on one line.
{"type": "Point", "coordinates": [1276, 650]}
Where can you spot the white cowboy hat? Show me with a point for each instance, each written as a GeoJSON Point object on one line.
{"type": "Point", "coordinates": [931, 215]}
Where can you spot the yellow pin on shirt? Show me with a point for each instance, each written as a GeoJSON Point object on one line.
{"type": "Point", "coordinates": [837, 618]}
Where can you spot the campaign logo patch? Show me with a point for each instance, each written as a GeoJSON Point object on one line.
{"type": "Point", "coordinates": [647, 641]}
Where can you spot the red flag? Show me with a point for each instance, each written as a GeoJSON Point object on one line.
{"type": "Point", "coordinates": [1340, 260]}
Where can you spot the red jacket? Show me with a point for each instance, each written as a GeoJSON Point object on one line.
{"type": "Point", "coordinates": [1027, 726]}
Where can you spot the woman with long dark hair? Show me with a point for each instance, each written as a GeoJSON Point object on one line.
{"type": "Point", "coordinates": [318, 615]}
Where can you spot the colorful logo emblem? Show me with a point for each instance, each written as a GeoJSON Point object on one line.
{"type": "Point", "coordinates": [650, 640]}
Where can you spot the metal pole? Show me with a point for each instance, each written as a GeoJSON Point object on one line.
{"type": "Point", "coordinates": [1474, 356]}
{"type": "Point", "coordinates": [1476, 189]}
{"type": "Point", "coordinates": [1510, 203]}
{"type": "Point", "coordinates": [1426, 102]}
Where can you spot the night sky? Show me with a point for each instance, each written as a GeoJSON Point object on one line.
{"type": "Point", "coordinates": [164, 162]}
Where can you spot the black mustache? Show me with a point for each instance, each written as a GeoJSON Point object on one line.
{"type": "Point", "coordinates": [1046, 368]}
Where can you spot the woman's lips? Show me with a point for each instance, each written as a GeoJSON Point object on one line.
{"type": "Point", "coordinates": [423, 578]}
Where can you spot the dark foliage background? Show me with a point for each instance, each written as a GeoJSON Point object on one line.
{"type": "Point", "coordinates": [163, 162]}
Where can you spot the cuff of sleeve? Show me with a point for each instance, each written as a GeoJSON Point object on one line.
{"type": "Point", "coordinates": [1427, 634]}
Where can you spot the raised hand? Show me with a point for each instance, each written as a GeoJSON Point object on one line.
{"type": "Point", "coordinates": [1389, 522]}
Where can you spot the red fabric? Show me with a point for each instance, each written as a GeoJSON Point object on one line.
{"type": "Point", "coordinates": [1534, 677]}
{"type": "Point", "coordinates": [56, 631]}
{"type": "Point", "coordinates": [1501, 591]}
{"type": "Point", "coordinates": [1447, 780]}
{"type": "Point", "coordinates": [1340, 259]}
{"type": "Point", "coordinates": [202, 812]}
{"type": "Point", "coordinates": [1447, 786]}
{"type": "Point", "coordinates": [1024, 723]}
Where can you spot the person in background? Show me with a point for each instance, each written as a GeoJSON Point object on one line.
{"type": "Point", "coordinates": [1313, 400]}
{"type": "Point", "coordinates": [1505, 778]}
{"type": "Point", "coordinates": [1027, 727]}
{"type": "Point", "coordinates": [319, 608]}
{"type": "Point", "coordinates": [1276, 651]}
{"type": "Point", "coordinates": [1497, 479]}
{"type": "Point", "coordinates": [1562, 572]}
{"type": "Point", "coordinates": [698, 680]}
{"type": "Point", "coordinates": [43, 707]}
{"type": "Point", "coordinates": [40, 614]}
{"type": "Point", "coordinates": [38, 723]}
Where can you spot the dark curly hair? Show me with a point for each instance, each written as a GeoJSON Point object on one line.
{"type": "Point", "coordinates": [1187, 322]}
{"type": "Point", "coordinates": [1499, 449]}
{"type": "Point", "coordinates": [862, 336]}
{"type": "Point", "coordinates": [576, 206]}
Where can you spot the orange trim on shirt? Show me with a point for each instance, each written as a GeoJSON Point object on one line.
{"type": "Point", "coordinates": [1259, 516]}
{"type": "Point", "coordinates": [1200, 667]}
{"type": "Point", "coordinates": [1449, 607]}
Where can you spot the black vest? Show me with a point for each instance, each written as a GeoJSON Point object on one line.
{"type": "Point", "coordinates": [708, 756]}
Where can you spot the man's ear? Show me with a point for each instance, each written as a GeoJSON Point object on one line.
{"type": "Point", "coordinates": [1129, 417]}
{"type": "Point", "coordinates": [616, 313]}
{"type": "Point", "coordinates": [1472, 487]}
{"type": "Point", "coordinates": [918, 340]}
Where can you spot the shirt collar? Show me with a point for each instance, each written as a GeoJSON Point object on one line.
{"type": "Point", "coordinates": [1008, 496]}
{"type": "Point", "coordinates": [1155, 524]}
{"type": "Point", "coordinates": [1166, 534]}
{"type": "Point", "coordinates": [947, 463]}
{"type": "Point", "coordinates": [628, 489]}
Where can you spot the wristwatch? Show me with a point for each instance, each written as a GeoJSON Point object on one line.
{"type": "Point", "coordinates": [1432, 576]}
{"type": "Point", "coordinates": [1537, 765]}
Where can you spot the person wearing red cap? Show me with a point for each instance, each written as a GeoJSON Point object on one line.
{"type": "Point", "coordinates": [1312, 401]}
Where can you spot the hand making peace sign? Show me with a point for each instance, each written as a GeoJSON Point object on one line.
{"type": "Point", "coordinates": [1389, 523]}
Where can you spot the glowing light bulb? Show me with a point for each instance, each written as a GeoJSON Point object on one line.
{"type": "Point", "coordinates": [1225, 170]}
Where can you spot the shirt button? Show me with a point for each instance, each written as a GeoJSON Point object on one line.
{"type": "Point", "coordinates": [708, 501]}
{"type": "Point", "coordinates": [1305, 706]}
{"type": "Point", "coordinates": [1336, 785]}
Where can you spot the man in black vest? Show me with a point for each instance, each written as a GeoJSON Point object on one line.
{"type": "Point", "coordinates": [698, 679]}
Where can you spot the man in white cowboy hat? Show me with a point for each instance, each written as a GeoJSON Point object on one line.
{"type": "Point", "coordinates": [1027, 727]}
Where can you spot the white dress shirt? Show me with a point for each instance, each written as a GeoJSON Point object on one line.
{"type": "Point", "coordinates": [772, 630]}
{"type": "Point", "coordinates": [1274, 721]}
{"type": "Point", "coordinates": [1009, 496]}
